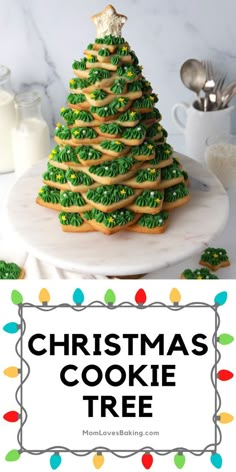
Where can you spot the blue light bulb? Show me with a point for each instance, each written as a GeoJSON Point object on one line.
{"type": "Point", "coordinates": [55, 461]}
{"type": "Point", "coordinates": [216, 460]}
{"type": "Point", "coordinates": [11, 328]}
{"type": "Point", "coordinates": [221, 298]}
{"type": "Point", "coordinates": [78, 296]}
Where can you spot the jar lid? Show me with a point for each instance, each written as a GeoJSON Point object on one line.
{"type": "Point", "coordinates": [27, 99]}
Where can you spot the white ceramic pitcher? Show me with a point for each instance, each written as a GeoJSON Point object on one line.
{"type": "Point", "coordinates": [199, 125]}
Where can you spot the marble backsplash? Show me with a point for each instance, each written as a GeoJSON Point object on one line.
{"type": "Point", "coordinates": [41, 38]}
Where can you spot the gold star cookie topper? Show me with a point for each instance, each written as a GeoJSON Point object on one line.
{"type": "Point", "coordinates": [108, 21]}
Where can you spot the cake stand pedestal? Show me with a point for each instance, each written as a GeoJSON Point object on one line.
{"type": "Point", "coordinates": [190, 229]}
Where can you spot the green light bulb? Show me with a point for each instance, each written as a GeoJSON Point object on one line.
{"type": "Point", "coordinates": [109, 297]}
{"type": "Point", "coordinates": [225, 339]}
{"type": "Point", "coordinates": [16, 297]}
{"type": "Point", "coordinates": [12, 456]}
{"type": "Point", "coordinates": [179, 460]}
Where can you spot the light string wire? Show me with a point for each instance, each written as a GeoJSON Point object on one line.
{"type": "Point", "coordinates": [120, 453]}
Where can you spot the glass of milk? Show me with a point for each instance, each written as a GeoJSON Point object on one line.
{"type": "Point", "coordinates": [7, 120]}
{"type": "Point", "coordinates": [31, 141]}
{"type": "Point", "coordinates": [220, 158]}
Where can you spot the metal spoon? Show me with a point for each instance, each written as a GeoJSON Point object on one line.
{"type": "Point", "coordinates": [227, 94]}
{"type": "Point", "coordinates": [193, 76]}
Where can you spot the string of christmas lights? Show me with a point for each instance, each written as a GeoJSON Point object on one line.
{"type": "Point", "coordinates": [109, 303]}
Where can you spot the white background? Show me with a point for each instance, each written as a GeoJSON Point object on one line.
{"type": "Point", "coordinates": [195, 425]}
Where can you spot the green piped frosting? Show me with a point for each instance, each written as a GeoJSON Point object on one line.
{"type": "Point", "coordinates": [84, 133]}
{"type": "Point", "coordinates": [170, 172]}
{"type": "Point", "coordinates": [116, 146]}
{"type": "Point", "coordinates": [214, 256]}
{"type": "Point", "coordinates": [176, 192]}
{"type": "Point", "coordinates": [149, 198]}
{"type": "Point", "coordinates": [78, 83]}
{"type": "Point", "coordinates": [118, 86]}
{"type": "Point", "coordinates": [111, 128]}
{"type": "Point", "coordinates": [137, 132]}
{"type": "Point", "coordinates": [152, 221]}
{"type": "Point", "coordinates": [115, 60]}
{"type": "Point", "coordinates": [98, 94]}
{"type": "Point", "coordinates": [123, 51]}
{"type": "Point", "coordinates": [112, 219]}
{"type": "Point", "coordinates": [129, 115]}
{"type": "Point", "coordinates": [55, 175]}
{"type": "Point", "coordinates": [110, 40]}
{"type": "Point", "coordinates": [146, 101]}
{"type": "Point", "coordinates": [63, 132]}
{"type": "Point", "coordinates": [107, 110]}
{"type": "Point", "coordinates": [75, 98]}
{"type": "Point", "coordinates": [9, 271]}
{"type": "Point", "coordinates": [203, 274]}
{"type": "Point", "coordinates": [147, 148]}
{"type": "Point", "coordinates": [49, 194]}
{"type": "Point", "coordinates": [87, 152]}
{"type": "Point", "coordinates": [64, 154]}
{"type": "Point", "coordinates": [152, 115]}
{"type": "Point", "coordinates": [84, 115]}
{"type": "Point", "coordinates": [69, 198]}
{"type": "Point", "coordinates": [80, 65]}
{"type": "Point", "coordinates": [156, 129]}
{"type": "Point", "coordinates": [91, 58]}
{"type": "Point", "coordinates": [96, 75]}
{"type": "Point", "coordinates": [69, 116]}
{"type": "Point", "coordinates": [104, 52]}
{"type": "Point", "coordinates": [109, 194]}
{"type": "Point", "coordinates": [113, 168]}
{"type": "Point", "coordinates": [73, 219]}
{"type": "Point", "coordinates": [90, 47]}
{"type": "Point", "coordinates": [135, 86]}
{"type": "Point", "coordinates": [129, 72]}
{"type": "Point", "coordinates": [147, 175]}
{"type": "Point", "coordinates": [78, 178]}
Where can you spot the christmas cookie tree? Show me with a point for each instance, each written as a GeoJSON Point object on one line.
{"type": "Point", "coordinates": [111, 168]}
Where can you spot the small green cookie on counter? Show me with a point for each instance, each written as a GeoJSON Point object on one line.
{"type": "Point", "coordinates": [198, 274]}
{"type": "Point", "coordinates": [10, 271]}
{"type": "Point", "coordinates": [214, 258]}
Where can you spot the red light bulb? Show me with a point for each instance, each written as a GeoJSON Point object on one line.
{"type": "Point", "coordinates": [147, 460]}
{"type": "Point", "coordinates": [140, 297]}
{"type": "Point", "coordinates": [225, 375]}
{"type": "Point", "coordinates": [11, 416]}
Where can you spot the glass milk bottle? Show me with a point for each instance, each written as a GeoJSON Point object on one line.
{"type": "Point", "coordinates": [31, 141]}
{"type": "Point", "coordinates": [7, 120]}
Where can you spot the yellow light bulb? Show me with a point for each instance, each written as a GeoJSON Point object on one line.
{"type": "Point", "coordinates": [44, 296]}
{"type": "Point", "coordinates": [175, 296]}
{"type": "Point", "coordinates": [225, 418]}
{"type": "Point", "coordinates": [11, 372]}
{"type": "Point", "coordinates": [98, 460]}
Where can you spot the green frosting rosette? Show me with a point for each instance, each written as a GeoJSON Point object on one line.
{"type": "Point", "coordinates": [77, 83]}
{"type": "Point", "coordinates": [137, 132]}
{"type": "Point", "coordinates": [198, 274]}
{"type": "Point", "coordinates": [146, 101]}
{"type": "Point", "coordinates": [80, 65]}
{"type": "Point", "coordinates": [135, 86]}
{"type": "Point", "coordinates": [151, 115]}
{"type": "Point", "coordinates": [62, 132]}
{"type": "Point", "coordinates": [162, 153]}
{"type": "Point", "coordinates": [49, 194]}
{"type": "Point", "coordinates": [112, 219]}
{"type": "Point", "coordinates": [69, 198]}
{"type": "Point", "coordinates": [116, 146]}
{"type": "Point", "coordinates": [111, 128]}
{"type": "Point", "coordinates": [104, 52]}
{"type": "Point", "coordinates": [83, 115]}
{"type": "Point", "coordinates": [69, 116]}
{"type": "Point", "coordinates": [123, 51]}
{"type": "Point", "coordinates": [145, 149]}
{"type": "Point", "coordinates": [87, 153]}
{"type": "Point", "coordinates": [147, 175]}
{"type": "Point", "coordinates": [63, 154]}
{"type": "Point", "coordinates": [152, 221]}
{"type": "Point", "coordinates": [109, 194]}
{"type": "Point", "coordinates": [118, 86]}
{"type": "Point", "coordinates": [149, 198]}
{"type": "Point", "coordinates": [54, 174]}
{"type": "Point", "coordinates": [98, 94]}
{"type": "Point", "coordinates": [9, 271]}
{"type": "Point", "coordinates": [110, 40]}
{"type": "Point", "coordinates": [129, 116]}
{"type": "Point", "coordinates": [171, 194]}
{"type": "Point", "coordinates": [73, 219]}
{"type": "Point", "coordinates": [83, 133]}
{"type": "Point", "coordinates": [105, 111]}
{"type": "Point", "coordinates": [129, 72]}
{"type": "Point", "coordinates": [78, 178]}
{"type": "Point", "coordinates": [170, 172]}
{"type": "Point", "coordinates": [214, 256]}
{"type": "Point", "coordinates": [96, 75]}
{"type": "Point", "coordinates": [113, 168]}
{"type": "Point", "coordinates": [75, 98]}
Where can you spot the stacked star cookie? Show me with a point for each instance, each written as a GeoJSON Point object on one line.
{"type": "Point", "coordinates": [112, 169]}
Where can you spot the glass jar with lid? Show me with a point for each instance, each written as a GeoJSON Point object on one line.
{"type": "Point", "coordinates": [31, 141]}
{"type": "Point", "coordinates": [7, 120]}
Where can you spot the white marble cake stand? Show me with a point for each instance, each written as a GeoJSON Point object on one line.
{"type": "Point", "coordinates": [190, 230]}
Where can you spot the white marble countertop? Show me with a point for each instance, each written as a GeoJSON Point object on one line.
{"type": "Point", "coordinates": [225, 239]}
